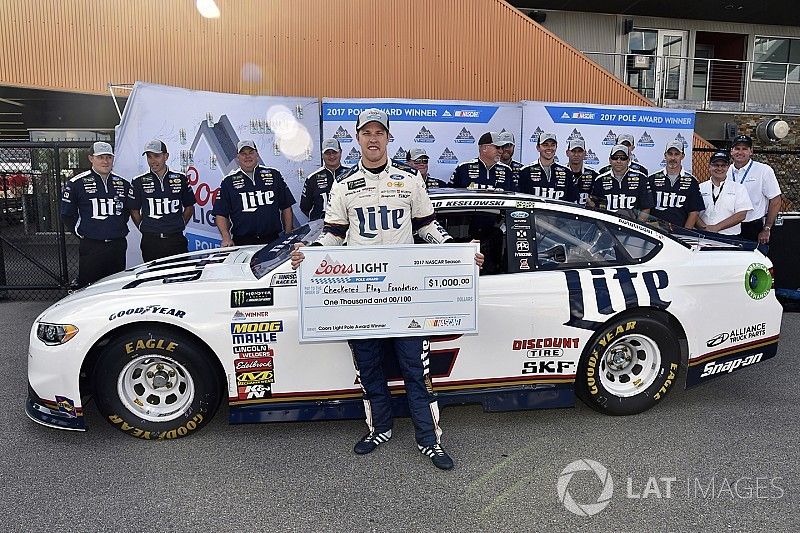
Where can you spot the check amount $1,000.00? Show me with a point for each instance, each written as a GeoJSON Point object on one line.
{"type": "Point", "coordinates": [448, 282]}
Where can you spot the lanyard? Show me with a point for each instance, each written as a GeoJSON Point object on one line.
{"type": "Point", "coordinates": [745, 171]}
{"type": "Point", "coordinates": [715, 198]}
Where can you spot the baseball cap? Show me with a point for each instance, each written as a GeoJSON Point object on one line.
{"type": "Point", "coordinates": [678, 145]}
{"type": "Point", "coordinates": [720, 156]}
{"type": "Point", "coordinates": [620, 148]}
{"type": "Point", "coordinates": [576, 143]}
{"type": "Point", "coordinates": [626, 137]}
{"type": "Point", "coordinates": [490, 137]}
{"type": "Point", "coordinates": [547, 136]}
{"type": "Point", "coordinates": [246, 144]}
{"type": "Point", "coordinates": [743, 139]}
{"type": "Point", "coordinates": [102, 148]}
{"type": "Point", "coordinates": [331, 144]}
{"type": "Point", "coordinates": [417, 153]}
{"type": "Point", "coordinates": [155, 146]}
{"type": "Point", "coordinates": [372, 115]}
{"type": "Point", "coordinates": [506, 137]}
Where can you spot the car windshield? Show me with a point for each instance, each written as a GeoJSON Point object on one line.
{"type": "Point", "coordinates": [276, 252]}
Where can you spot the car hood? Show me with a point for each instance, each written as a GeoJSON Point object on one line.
{"type": "Point", "coordinates": [228, 264]}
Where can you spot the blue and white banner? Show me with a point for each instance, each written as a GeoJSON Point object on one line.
{"type": "Point", "coordinates": [201, 130]}
{"type": "Point", "coordinates": [447, 130]}
{"type": "Point", "coordinates": [599, 126]}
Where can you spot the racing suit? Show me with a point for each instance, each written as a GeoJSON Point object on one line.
{"type": "Point", "coordinates": [387, 208]}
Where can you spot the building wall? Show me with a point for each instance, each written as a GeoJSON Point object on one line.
{"type": "Point", "coordinates": [448, 49]}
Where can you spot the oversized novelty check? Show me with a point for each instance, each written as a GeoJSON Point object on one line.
{"type": "Point", "coordinates": [387, 291]}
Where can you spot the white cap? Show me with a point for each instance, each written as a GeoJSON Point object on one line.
{"type": "Point", "coordinates": [416, 153]}
{"type": "Point", "coordinates": [506, 137]}
{"type": "Point", "coordinates": [547, 136]}
{"type": "Point", "coordinates": [102, 148]}
{"type": "Point", "coordinates": [156, 147]}
{"type": "Point", "coordinates": [246, 144]}
{"type": "Point", "coordinates": [330, 144]}
{"type": "Point", "coordinates": [576, 143]}
{"type": "Point", "coordinates": [372, 115]}
{"type": "Point", "coordinates": [620, 148]}
{"type": "Point", "coordinates": [626, 137]}
{"type": "Point", "coordinates": [678, 145]}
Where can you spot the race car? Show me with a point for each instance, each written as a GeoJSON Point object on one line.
{"type": "Point", "coordinates": [572, 302]}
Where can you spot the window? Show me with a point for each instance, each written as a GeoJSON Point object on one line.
{"type": "Point", "coordinates": [569, 241]}
{"type": "Point", "coordinates": [771, 56]}
{"type": "Point", "coordinates": [486, 226]}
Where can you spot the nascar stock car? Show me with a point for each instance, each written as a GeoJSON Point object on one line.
{"type": "Point", "coordinates": [572, 302]}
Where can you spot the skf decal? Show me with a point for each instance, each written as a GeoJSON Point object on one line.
{"type": "Point", "coordinates": [548, 367]}
{"type": "Point", "coordinates": [654, 281]}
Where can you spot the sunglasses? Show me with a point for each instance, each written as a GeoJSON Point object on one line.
{"type": "Point", "coordinates": [619, 157]}
{"type": "Point", "coordinates": [423, 161]}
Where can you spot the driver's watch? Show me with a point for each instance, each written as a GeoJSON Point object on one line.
{"type": "Point", "coordinates": [766, 228]}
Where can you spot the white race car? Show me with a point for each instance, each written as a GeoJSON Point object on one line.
{"type": "Point", "coordinates": [572, 302]}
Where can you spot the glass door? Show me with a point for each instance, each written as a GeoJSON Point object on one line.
{"type": "Point", "coordinates": [655, 66]}
{"type": "Point", "coordinates": [671, 79]}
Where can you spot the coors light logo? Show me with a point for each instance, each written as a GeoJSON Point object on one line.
{"type": "Point", "coordinates": [330, 267]}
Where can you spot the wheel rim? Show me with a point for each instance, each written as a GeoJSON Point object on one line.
{"type": "Point", "coordinates": [155, 388]}
{"type": "Point", "coordinates": [630, 365]}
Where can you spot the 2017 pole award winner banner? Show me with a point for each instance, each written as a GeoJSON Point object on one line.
{"type": "Point", "coordinates": [447, 130]}
{"type": "Point", "coordinates": [201, 130]}
{"type": "Point", "coordinates": [599, 126]}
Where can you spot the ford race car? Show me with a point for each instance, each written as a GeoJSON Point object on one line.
{"type": "Point", "coordinates": [572, 302]}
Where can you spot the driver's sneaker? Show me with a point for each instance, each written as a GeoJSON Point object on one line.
{"type": "Point", "coordinates": [438, 456]}
{"type": "Point", "coordinates": [371, 440]}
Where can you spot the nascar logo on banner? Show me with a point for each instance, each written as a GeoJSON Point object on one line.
{"type": "Point", "coordinates": [599, 126]}
{"type": "Point", "coordinates": [447, 130]}
{"type": "Point", "coordinates": [201, 130]}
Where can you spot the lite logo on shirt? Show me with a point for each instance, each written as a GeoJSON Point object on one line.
{"type": "Point", "coordinates": [547, 192]}
{"type": "Point", "coordinates": [666, 200]}
{"type": "Point", "coordinates": [252, 200]}
{"type": "Point", "coordinates": [619, 201]}
{"type": "Point", "coordinates": [160, 207]}
{"type": "Point", "coordinates": [102, 208]}
{"type": "Point", "coordinates": [371, 220]}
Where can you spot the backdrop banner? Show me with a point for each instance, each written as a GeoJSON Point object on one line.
{"type": "Point", "coordinates": [201, 130]}
{"type": "Point", "coordinates": [447, 130]}
{"type": "Point", "coordinates": [599, 126]}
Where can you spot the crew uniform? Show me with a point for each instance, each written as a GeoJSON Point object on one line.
{"type": "Point", "coordinates": [474, 174]}
{"type": "Point", "coordinates": [558, 185]}
{"type": "Point", "coordinates": [98, 212]}
{"type": "Point", "coordinates": [253, 205]}
{"type": "Point", "coordinates": [316, 191]}
{"type": "Point", "coordinates": [633, 166]}
{"type": "Point", "coordinates": [387, 208]}
{"type": "Point", "coordinates": [630, 192]}
{"type": "Point", "coordinates": [161, 202]}
{"type": "Point", "coordinates": [673, 202]}
{"type": "Point", "coordinates": [583, 184]}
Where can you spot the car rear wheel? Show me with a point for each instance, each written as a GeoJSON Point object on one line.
{"type": "Point", "coordinates": [628, 366]}
{"type": "Point", "coordinates": [156, 384]}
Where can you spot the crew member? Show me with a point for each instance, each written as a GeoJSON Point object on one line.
{"type": "Point", "coordinates": [375, 183]}
{"type": "Point", "coordinates": [507, 155]}
{"type": "Point", "coordinates": [418, 159]}
{"type": "Point", "coordinates": [163, 203]}
{"type": "Point", "coordinates": [317, 187]}
{"type": "Point", "coordinates": [628, 140]}
{"type": "Point", "coordinates": [253, 201]}
{"type": "Point", "coordinates": [582, 176]}
{"type": "Point", "coordinates": [726, 201]}
{"type": "Point", "coordinates": [622, 188]}
{"type": "Point", "coordinates": [676, 192]}
{"type": "Point", "coordinates": [485, 172]}
{"type": "Point", "coordinates": [762, 186]}
{"type": "Point", "coordinates": [545, 177]}
{"type": "Point", "coordinates": [96, 205]}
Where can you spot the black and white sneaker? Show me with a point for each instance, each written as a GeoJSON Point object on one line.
{"type": "Point", "coordinates": [438, 456]}
{"type": "Point", "coordinates": [371, 440]}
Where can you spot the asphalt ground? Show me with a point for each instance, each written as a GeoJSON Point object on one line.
{"type": "Point", "coordinates": [723, 457]}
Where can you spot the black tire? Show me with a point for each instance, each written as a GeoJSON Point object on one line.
{"type": "Point", "coordinates": [647, 351]}
{"type": "Point", "coordinates": [155, 383]}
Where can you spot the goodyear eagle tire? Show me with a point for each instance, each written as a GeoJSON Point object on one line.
{"type": "Point", "coordinates": [628, 366]}
{"type": "Point", "coordinates": [156, 384]}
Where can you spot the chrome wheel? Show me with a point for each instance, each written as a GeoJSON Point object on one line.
{"type": "Point", "coordinates": [155, 388]}
{"type": "Point", "coordinates": [630, 365]}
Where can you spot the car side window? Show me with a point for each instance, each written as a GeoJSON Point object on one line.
{"type": "Point", "coordinates": [487, 227]}
{"type": "Point", "coordinates": [565, 240]}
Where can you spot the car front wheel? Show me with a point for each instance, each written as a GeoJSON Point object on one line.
{"type": "Point", "coordinates": [156, 384]}
{"type": "Point", "coordinates": [628, 366]}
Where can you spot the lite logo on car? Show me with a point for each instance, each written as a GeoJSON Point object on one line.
{"type": "Point", "coordinates": [718, 368]}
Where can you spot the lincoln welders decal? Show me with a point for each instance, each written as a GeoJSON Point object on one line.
{"type": "Point", "coordinates": [654, 281]}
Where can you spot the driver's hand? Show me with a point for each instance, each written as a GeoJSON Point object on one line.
{"type": "Point", "coordinates": [296, 255]}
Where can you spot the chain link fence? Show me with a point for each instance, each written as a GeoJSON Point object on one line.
{"type": "Point", "coordinates": [38, 259]}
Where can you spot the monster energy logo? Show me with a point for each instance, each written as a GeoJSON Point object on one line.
{"type": "Point", "coordinates": [251, 297]}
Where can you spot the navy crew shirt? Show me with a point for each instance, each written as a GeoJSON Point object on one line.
{"type": "Point", "coordinates": [99, 208]}
{"type": "Point", "coordinates": [161, 201]}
